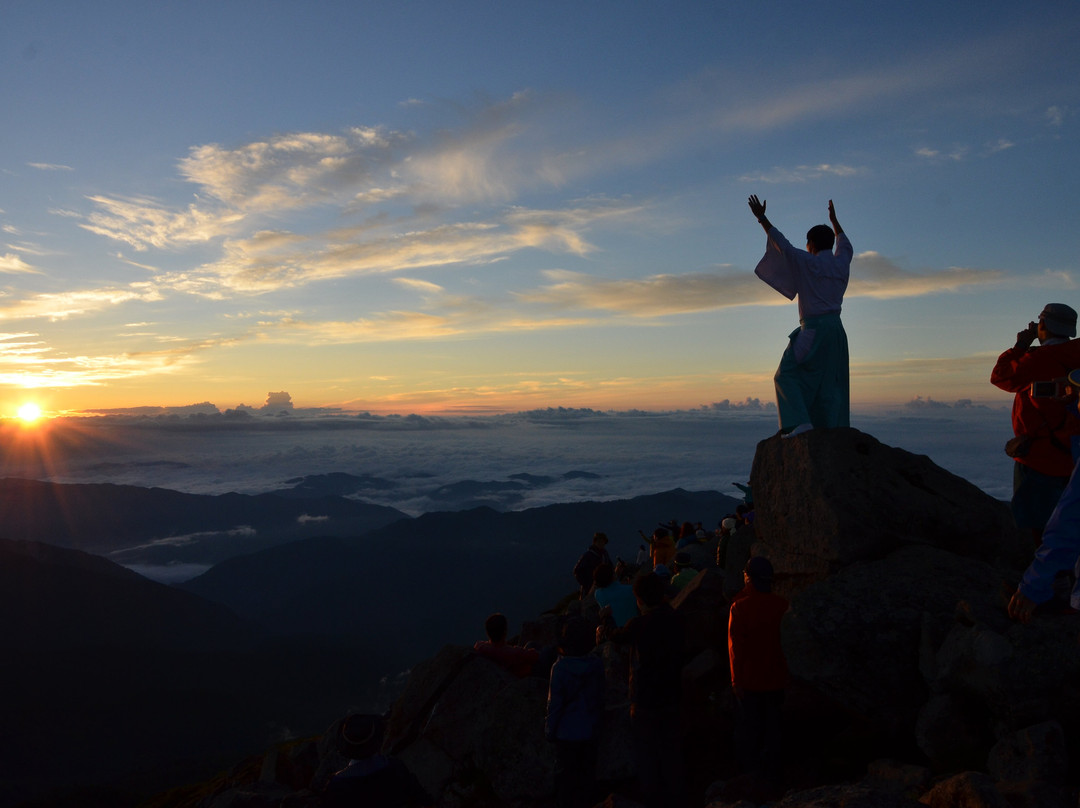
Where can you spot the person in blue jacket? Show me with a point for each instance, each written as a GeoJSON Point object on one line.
{"type": "Point", "coordinates": [1060, 548]}
{"type": "Point", "coordinates": [575, 706]}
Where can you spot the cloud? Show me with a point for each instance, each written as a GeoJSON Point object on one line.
{"type": "Point", "coordinates": [956, 154]}
{"type": "Point", "coordinates": [143, 223]}
{"type": "Point", "coordinates": [272, 260]}
{"type": "Point", "coordinates": [655, 296]}
{"type": "Point", "coordinates": [28, 362]}
{"type": "Point", "coordinates": [873, 275]}
{"type": "Point", "coordinates": [60, 305]}
{"type": "Point", "coordinates": [50, 167]}
{"type": "Point", "coordinates": [289, 171]}
{"type": "Point", "coordinates": [12, 264]}
{"type": "Point", "coordinates": [802, 173]}
{"type": "Point", "coordinates": [1055, 116]}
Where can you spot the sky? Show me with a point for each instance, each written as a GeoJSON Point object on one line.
{"type": "Point", "coordinates": [482, 207]}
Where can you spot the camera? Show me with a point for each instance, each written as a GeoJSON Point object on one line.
{"type": "Point", "coordinates": [1055, 389]}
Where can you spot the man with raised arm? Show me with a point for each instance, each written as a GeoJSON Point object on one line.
{"type": "Point", "coordinates": [812, 387]}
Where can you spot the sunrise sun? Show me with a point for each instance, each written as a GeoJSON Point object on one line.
{"type": "Point", "coordinates": [29, 412]}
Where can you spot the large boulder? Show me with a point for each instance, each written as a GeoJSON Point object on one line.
{"type": "Point", "coordinates": [465, 725]}
{"type": "Point", "coordinates": [831, 497]}
{"type": "Point", "coordinates": [860, 636]}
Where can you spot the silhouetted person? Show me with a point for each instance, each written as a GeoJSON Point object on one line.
{"type": "Point", "coordinates": [574, 708]}
{"type": "Point", "coordinates": [812, 386]}
{"type": "Point", "coordinates": [658, 644]}
{"type": "Point", "coordinates": [593, 557]}
{"type": "Point", "coordinates": [759, 671]}
{"type": "Point", "coordinates": [519, 661]}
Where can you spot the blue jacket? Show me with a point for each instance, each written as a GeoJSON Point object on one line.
{"type": "Point", "coordinates": [1060, 548]}
{"type": "Point", "coordinates": [575, 698]}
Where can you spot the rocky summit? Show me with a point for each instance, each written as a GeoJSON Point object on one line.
{"type": "Point", "coordinates": [910, 684]}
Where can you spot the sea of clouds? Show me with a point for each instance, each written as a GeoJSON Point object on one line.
{"type": "Point", "coordinates": [583, 454]}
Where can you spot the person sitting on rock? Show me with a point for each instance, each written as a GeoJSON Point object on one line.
{"type": "Point", "coordinates": [575, 705]}
{"type": "Point", "coordinates": [619, 597]}
{"type": "Point", "coordinates": [657, 638]}
{"type": "Point", "coordinates": [759, 671]}
{"type": "Point", "coordinates": [519, 661]}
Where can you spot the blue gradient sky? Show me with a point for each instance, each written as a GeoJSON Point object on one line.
{"type": "Point", "coordinates": [478, 207]}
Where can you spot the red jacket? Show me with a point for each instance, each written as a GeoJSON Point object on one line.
{"type": "Point", "coordinates": [1040, 418]}
{"type": "Point", "coordinates": [757, 658]}
{"type": "Point", "coordinates": [519, 661]}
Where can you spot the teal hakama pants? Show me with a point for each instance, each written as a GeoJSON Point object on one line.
{"type": "Point", "coordinates": [812, 385]}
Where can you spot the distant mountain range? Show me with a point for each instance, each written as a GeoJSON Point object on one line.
{"type": "Point", "coordinates": [114, 680]}
{"type": "Point", "coordinates": [135, 525]}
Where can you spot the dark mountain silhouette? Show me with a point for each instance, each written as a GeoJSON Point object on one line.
{"type": "Point", "coordinates": [416, 584]}
{"type": "Point", "coordinates": [106, 518]}
{"type": "Point", "coordinates": [109, 678]}
{"type": "Point", "coordinates": [112, 680]}
{"type": "Point", "coordinates": [337, 483]}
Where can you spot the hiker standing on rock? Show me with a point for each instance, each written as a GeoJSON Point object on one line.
{"type": "Point", "coordinates": [812, 386]}
{"type": "Point", "coordinates": [595, 555]}
{"type": "Point", "coordinates": [1043, 416]}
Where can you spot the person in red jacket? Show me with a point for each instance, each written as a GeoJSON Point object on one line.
{"type": "Point", "coordinates": [519, 661]}
{"type": "Point", "coordinates": [1043, 417]}
{"type": "Point", "coordinates": [759, 672]}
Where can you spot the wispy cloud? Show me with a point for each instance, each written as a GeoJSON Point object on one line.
{"type": "Point", "coordinates": [50, 167]}
{"type": "Point", "coordinates": [27, 361]}
{"type": "Point", "coordinates": [655, 296]}
{"type": "Point", "coordinates": [13, 264]}
{"type": "Point", "coordinates": [873, 275]}
{"type": "Point", "coordinates": [271, 260]}
{"type": "Point", "coordinates": [60, 305]}
{"type": "Point", "coordinates": [802, 173]}
{"type": "Point", "coordinates": [956, 153]}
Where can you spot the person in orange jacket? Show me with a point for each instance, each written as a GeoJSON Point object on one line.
{"type": "Point", "coordinates": [759, 672]}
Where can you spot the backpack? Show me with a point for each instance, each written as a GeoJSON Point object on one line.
{"type": "Point", "coordinates": [585, 566]}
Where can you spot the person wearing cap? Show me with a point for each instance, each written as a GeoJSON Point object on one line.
{"type": "Point", "coordinates": [1044, 419]}
{"type": "Point", "coordinates": [759, 672]}
{"type": "Point", "coordinates": [684, 570]}
{"type": "Point", "coordinates": [812, 385]}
